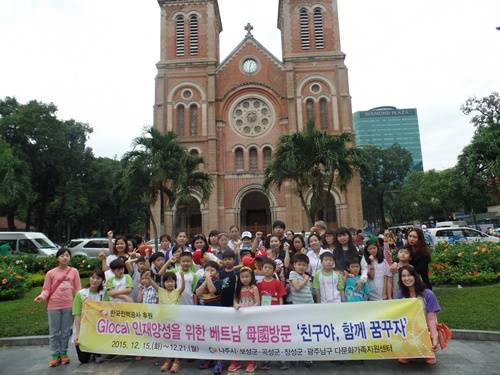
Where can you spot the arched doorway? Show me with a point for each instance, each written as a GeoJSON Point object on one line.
{"type": "Point", "coordinates": [328, 213]}
{"type": "Point", "coordinates": [255, 212]}
{"type": "Point", "coordinates": [188, 217]}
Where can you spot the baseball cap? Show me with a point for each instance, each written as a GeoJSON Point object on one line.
{"type": "Point", "coordinates": [246, 234]}
{"type": "Point", "coordinates": [261, 254]}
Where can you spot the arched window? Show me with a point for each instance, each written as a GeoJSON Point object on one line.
{"type": "Point", "coordinates": [194, 152]}
{"type": "Point", "coordinates": [310, 110]}
{"type": "Point", "coordinates": [252, 155]}
{"type": "Point", "coordinates": [268, 155]}
{"type": "Point", "coordinates": [239, 161]}
{"type": "Point", "coordinates": [319, 36]}
{"type": "Point", "coordinates": [193, 119]}
{"type": "Point", "coordinates": [323, 113]}
{"type": "Point", "coordinates": [193, 35]}
{"type": "Point", "coordinates": [179, 36]}
{"type": "Point", "coordinates": [304, 29]}
{"type": "Point", "coordinates": [180, 121]}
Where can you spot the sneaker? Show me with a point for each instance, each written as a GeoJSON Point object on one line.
{"type": "Point", "coordinates": [308, 364]}
{"type": "Point", "coordinates": [250, 367]}
{"type": "Point", "coordinates": [403, 361]}
{"type": "Point", "coordinates": [284, 366]}
{"type": "Point", "coordinates": [176, 366]}
{"type": "Point", "coordinates": [54, 360]}
{"type": "Point", "coordinates": [218, 368]}
{"type": "Point", "coordinates": [64, 358]}
{"type": "Point", "coordinates": [266, 366]}
{"type": "Point", "coordinates": [206, 365]}
{"type": "Point", "coordinates": [431, 361]}
{"type": "Point", "coordinates": [166, 366]}
{"type": "Point", "coordinates": [234, 366]}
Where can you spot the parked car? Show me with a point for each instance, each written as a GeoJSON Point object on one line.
{"type": "Point", "coordinates": [88, 246]}
{"type": "Point", "coordinates": [460, 234]}
{"type": "Point", "coordinates": [28, 243]}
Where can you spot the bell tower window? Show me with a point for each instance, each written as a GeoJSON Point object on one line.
{"type": "Point", "coordinates": [179, 36]}
{"type": "Point", "coordinates": [304, 29]}
{"type": "Point", "coordinates": [193, 35]}
{"type": "Point", "coordinates": [319, 36]}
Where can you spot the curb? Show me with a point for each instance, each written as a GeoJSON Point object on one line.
{"type": "Point", "coordinates": [458, 334]}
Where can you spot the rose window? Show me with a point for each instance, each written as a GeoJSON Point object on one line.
{"type": "Point", "coordinates": [252, 117]}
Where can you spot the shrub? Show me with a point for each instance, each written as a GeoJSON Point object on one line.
{"type": "Point", "coordinates": [34, 264]}
{"type": "Point", "coordinates": [13, 282]}
{"type": "Point", "coordinates": [465, 263]}
{"type": "Point", "coordinates": [35, 279]}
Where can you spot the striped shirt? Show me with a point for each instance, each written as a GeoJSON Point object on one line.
{"type": "Point", "coordinates": [302, 295]}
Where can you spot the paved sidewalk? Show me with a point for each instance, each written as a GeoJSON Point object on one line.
{"type": "Point", "coordinates": [460, 358]}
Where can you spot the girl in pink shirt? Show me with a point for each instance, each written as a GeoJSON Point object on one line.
{"type": "Point", "coordinates": [60, 285]}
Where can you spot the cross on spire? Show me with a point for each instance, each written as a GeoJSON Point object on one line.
{"type": "Point", "coordinates": [249, 29]}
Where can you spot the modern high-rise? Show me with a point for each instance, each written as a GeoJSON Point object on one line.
{"type": "Point", "coordinates": [385, 126]}
{"type": "Point", "coordinates": [233, 111]}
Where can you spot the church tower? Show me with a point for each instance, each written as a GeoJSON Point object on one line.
{"type": "Point", "coordinates": [185, 94]}
{"type": "Point", "coordinates": [317, 83]}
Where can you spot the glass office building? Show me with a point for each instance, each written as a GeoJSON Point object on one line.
{"type": "Point", "coordinates": [384, 126]}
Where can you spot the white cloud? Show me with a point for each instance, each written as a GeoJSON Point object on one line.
{"type": "Point", "coordinates": [96, 60]}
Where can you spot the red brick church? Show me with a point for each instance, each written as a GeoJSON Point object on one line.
{"type": "Point", "coordinates": [232, 111]}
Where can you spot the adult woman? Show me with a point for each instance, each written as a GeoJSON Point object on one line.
{"type": "Point", "coordinates": [298, 245]}
{"type": "Point", "coordinates": [420, 255]}
{"type": "Point", "coordinates": [329, 240]}
{"type": "Point", "coordinates": [314, 253]}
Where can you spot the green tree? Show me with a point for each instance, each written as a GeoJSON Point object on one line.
{"type": "Point", "coordinates": [479, 163]}
{"type": "Point", "coordinates": [312, 161]}
{"type": "Point", "coordinates": [158, 165]}
{"type": "Point", "coordinates": [382, 172]}
{"type": "Point", "coordinates": [15, 185]}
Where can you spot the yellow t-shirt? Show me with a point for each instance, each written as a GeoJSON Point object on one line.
{"type": "Point", "coordinates": [168, 298]}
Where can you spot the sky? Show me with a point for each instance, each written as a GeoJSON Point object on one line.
{"type": "Point", "coordinates": [95, 59]}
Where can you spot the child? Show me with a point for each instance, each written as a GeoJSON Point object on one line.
{"type": "Point", "coordinates": [60, 285]}
{"type": "Point", "coordinates": [136, 266]}
{"type": "Point", "coordinates": [300, 281]}
{"type": "Point", "coordinates": [170, 295]}
{"type": "Point", "coordinates": [208, 292]}
{"type": "Point", "coordinates": [228, 275]}
{"type": "Point", "coordinates": [246, 295]}
{"type": "Point", "coordinates": [157, 262]}
{"type": "Point", "coordinates": [404, 258]}
{"type": "Point", "coordinates": [378, 271]}
{"type": "Point", "coordinates": [147, 291]}
{"type": "Point", "coordinates": [271, 290]}
{"type": "Point", "coordinates": [412, 286]}
{"type": "Point", "coordinates": [187, 271]}
{"type": "Point", "coordinates": [352, 291]}
{"type": "Point", "coordinates": [328, 284]}
{"type": "Point", "coordinates": [119, 286]}
{"type": "Point", "coordinates": [94, 292]}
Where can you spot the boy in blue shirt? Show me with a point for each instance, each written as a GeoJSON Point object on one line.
{"type": "Point", "coordinates": [352, 294]}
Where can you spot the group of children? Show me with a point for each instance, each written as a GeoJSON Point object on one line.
{"type": "Point", "coordinates": [238, 273]}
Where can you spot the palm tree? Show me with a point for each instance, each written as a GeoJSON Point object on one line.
{"type": "Point", "coordinates": [159, 165]}
{"type": "Point", "coordinates": [312, 160]}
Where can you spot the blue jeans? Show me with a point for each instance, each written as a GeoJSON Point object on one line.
{"type": "Point", "coordinates": [60, 330]}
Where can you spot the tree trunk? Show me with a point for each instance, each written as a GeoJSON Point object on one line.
{"type": "Point", "coordinates": [304, 206]}
{"type": "Point", "coordinates": [382, 212]}
{"type": "Point", "coordinates": [155, 228]}
{"type": "Point", "coordinates": [11, 223]}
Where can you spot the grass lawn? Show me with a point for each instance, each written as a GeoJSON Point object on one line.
{"type": "Point", "coordinates": [470, 307]}
{"type": "Point", "coordinates": [466, 308]}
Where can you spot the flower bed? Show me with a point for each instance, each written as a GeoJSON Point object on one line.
{"type": "Point", "coordinates": [13, 282]}
{"type": "Point", "coordinates": [34, 264]}
{"type": "Point", "coordinates": [465, 263]}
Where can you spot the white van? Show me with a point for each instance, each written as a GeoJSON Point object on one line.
{"type": "Point", "coordinates": [28, 243]}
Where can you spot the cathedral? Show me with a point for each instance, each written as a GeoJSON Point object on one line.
{"type": "Point", "coordinates": [232, 112]}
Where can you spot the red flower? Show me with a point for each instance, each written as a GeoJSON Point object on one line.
{"type": "Point", "coordinates": [4, 281]}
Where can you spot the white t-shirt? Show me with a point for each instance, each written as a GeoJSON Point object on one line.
{"type": "Point", "coordinates": [376, 284]}
{"type": "Point", "coordinates": [190, 278]}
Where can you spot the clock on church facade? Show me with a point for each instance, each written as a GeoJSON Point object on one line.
{"type": "Point", "coordinates": [233, 111]}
